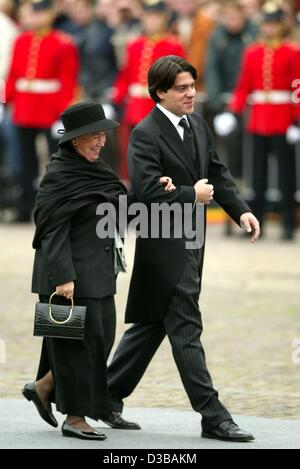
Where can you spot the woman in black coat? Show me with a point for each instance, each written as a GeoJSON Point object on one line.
{"type": "Point", "coordinates": [73, 261]}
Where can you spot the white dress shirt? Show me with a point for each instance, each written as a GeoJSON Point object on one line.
{"type": "Point", "coordinates": [174, 119]}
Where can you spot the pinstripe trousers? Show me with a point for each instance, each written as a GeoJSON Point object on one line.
{"type": "Point", "coordinates": [183, 326]}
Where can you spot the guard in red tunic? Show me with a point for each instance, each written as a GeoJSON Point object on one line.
{"type": "Point", "coordinates": [130, 90]}
{"type": "Point", "coordinates": [131, 87]}
{"type": "Point", "coordinates": [41, 83]}
{"type": "Point", "coordinates": [266, 82]}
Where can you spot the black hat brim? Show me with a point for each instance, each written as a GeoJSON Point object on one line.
{"type": "Point", "coordinates": [97, 126]}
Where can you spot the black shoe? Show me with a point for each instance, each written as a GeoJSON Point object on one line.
{"type": "Point", "coordinates": [228, 431]}
{"type": "Point", "coordinates": [115, 420]}
{"type": "Point", "coordinates": [68, 430]}
{"type": "Point", "coordinates": [30, 393]}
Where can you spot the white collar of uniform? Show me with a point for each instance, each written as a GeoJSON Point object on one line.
{"type": "Point", "coordinates": [172, 117]}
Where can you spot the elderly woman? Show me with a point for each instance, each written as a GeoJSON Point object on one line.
{"type": "Point", "coordinates": [73, 261]}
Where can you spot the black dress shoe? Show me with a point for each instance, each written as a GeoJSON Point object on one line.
{"type": "Point", "coordinates": [228, 431]}
{"type": "Point", "coordinates": [115, 420]}
{"type": "Point", "coordinates": [30, 393]}
{"type": "Point", "coordinates": [68, 430]}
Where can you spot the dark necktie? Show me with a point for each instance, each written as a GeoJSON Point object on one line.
{"type": "Point", "coordinates": [188, 139]}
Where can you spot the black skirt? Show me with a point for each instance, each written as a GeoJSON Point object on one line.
{"type": "Point", "coordinates": [79, 366]}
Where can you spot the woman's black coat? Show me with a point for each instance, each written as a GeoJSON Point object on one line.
{"type": "Point", "coordinates": [66, 242]}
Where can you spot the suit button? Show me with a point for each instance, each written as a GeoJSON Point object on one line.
{"type": "Point", "coordinates": [107, 249]}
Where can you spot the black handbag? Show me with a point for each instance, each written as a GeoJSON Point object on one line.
{"type": "Point", "coordinates": [66, 322]}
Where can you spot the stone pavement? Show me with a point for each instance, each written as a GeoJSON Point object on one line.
{"type": "Point", "coordinates": [250, 307]}
{"type": "Point", "coordinates": [161, 428]}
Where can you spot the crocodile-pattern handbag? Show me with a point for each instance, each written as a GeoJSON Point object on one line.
{"type": "Point", "coordinates": [66, 322]}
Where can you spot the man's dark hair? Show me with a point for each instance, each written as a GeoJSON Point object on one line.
{"type": "Point", "coordinates": [163, 73]}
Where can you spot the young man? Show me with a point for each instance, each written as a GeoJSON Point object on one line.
{"type": "Point", "coordinates": [166, 279]}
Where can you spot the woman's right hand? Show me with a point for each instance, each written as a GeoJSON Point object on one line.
{"type": "Point", "coordinates": [168, 183]}
{"type": "Point", "coordinates": [66, 290]}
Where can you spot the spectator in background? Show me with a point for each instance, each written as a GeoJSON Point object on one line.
{"type": "Point", "coordinates": [9, 32]}
{"type": "Point", "coordinates": [41, 82]}
{"type": "Point", "coordinates": [182, 23]}
{"type": "Point", "coordinates": [225, 50]}
{"type": "Point", "coordinates": [8, 158]}
{"type": "Point", "coordinates": [288, 7]}
{"type": "Point", "coordinates": [63, 20]}
{"type": "Point", "coordinates": [92, 36]}
{"type": "Point", "coordinates": [203, 26]}
{"type": "Point", "coordinates": [266, 79]}
{"type": "Point", "coordinates": [23, 16]}
{"type": "Point", "coordinates": [131, 88]}
{"type": "Point", "coordinates": [252, 9]}
{"type": "Point", "coordinates": [9, 150]}
{"type": "Point", "coordinates": [124, 17]}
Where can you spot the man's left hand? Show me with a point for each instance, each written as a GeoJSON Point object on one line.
{"type": "Point", "coordinates": [251, 225]}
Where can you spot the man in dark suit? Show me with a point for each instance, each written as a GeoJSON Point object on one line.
{"type": "Point", "coordinates": [166, 278]}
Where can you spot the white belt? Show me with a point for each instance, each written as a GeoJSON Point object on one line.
{"type": "Point", "coordinates": [38, 85]}
{"type": "Point", "coordinates": [273, 97]}
{"type": "Point", "coordinates": [139, 91]}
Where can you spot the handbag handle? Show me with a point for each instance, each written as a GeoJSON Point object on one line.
{"type": "Point", "coordinates": [50, 311]}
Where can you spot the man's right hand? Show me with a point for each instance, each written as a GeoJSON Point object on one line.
{"type": "Point", "coordinates": [204, 191]}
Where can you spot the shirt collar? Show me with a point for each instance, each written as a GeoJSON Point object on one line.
{"type": "Point", "coordinates": [172, 117]}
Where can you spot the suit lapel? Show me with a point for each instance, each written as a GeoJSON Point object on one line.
{"type": "Point", "coordinates": [200, 144]}
{"type": "Point", "coordinates": [173, 140]}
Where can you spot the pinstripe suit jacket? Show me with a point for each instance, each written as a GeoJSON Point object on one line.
{"type": "Point", "coordinates": [156, 149]}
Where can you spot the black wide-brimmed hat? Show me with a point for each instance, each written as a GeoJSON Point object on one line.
{"type": "Point", "coordinates": [82, 119]}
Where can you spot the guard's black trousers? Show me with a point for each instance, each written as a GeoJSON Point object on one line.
{"type": "Point", "coordinates": [285, 155]}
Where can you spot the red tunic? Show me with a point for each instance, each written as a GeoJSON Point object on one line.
{"type": "Point", "coordinates": [131, 84]}
{"type": "Point", "coordinates": [266, 83]}
{"type": "Point", "coordinates": [42, 79]}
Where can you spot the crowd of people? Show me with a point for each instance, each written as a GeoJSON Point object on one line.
{"type": "Point", "coordinates": [55, 53]}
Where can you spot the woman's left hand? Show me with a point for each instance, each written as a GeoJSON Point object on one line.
{"type": "Point", "coordinates": [66, 290]}
{"type": "Point", "coordinates": [168, 183]}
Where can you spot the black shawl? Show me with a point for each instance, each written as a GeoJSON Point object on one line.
{"type": "Point", "coordinates": [70, 183]}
